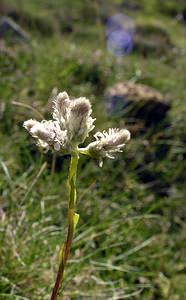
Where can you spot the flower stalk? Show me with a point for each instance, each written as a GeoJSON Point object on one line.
{"type": "Point", "coordinates": [71, 225]}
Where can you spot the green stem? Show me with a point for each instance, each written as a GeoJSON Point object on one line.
{"type": "Point", "coordinates": [71, 213]}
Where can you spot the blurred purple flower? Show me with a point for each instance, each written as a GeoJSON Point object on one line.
{"type": "Point", "coordinates": [119, 42]}
{"type": "Point", "coordinates": [119, 33]}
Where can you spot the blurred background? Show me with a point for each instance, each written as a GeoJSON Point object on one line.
{"type": "Point", "coordinates": [129, 59]}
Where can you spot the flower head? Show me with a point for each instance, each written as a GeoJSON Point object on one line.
{"type": "Point", "coordinates": [73, 115]}
{"type": "Point", "coordinates": [47, 133]}
{"type": "Point", "coordinates": [61, 103]}
{"type": "Point", "coordinates": [120, 31]}
{"type": "Point", "coordinates": [70, 127]}
{"type": "Point", "coordinates": [108, 143]}
{"type": "Point", "coordinates": [79, 121]}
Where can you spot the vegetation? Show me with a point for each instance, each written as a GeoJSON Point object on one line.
{"type": "Point", "coordinates": [130, 238]}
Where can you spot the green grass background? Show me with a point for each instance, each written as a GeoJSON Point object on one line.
{"type": "Point", "coordinates": [130, 239]}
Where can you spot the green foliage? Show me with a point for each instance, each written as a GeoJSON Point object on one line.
{"type": "Point", "coordinates": [131, 234]}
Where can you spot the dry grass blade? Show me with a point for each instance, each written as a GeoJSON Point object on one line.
{"type": "Point", "coordinates": [28, 107]}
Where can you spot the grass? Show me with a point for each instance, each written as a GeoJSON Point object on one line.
{"type": "Point", "coordinates": [130, 239]}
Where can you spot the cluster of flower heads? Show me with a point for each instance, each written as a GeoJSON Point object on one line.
{"type": "Point", "coordinates": [71, 125]}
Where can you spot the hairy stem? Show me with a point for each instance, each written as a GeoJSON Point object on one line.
{"type": "Point", "coordinates": [71, 213]}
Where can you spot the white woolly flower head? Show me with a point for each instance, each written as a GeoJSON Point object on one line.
{"type": "Point", "coordinates": [74, 115]}
{"type": "Point", "coordinates": [48, 134]}
{"type": "Point", "coordinates": [72, 124]}
{"type": "Point", "coordinates": [108, 143]}
{"type": "Point", "coordinates": [61, 103]}
{"type": "Point", "coordinates": [78, 120]}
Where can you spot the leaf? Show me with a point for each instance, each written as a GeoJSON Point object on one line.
{"type": "Point", "coordinates": [75, 219]}
{"type": "Point", "coordinates": [61, 252]}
